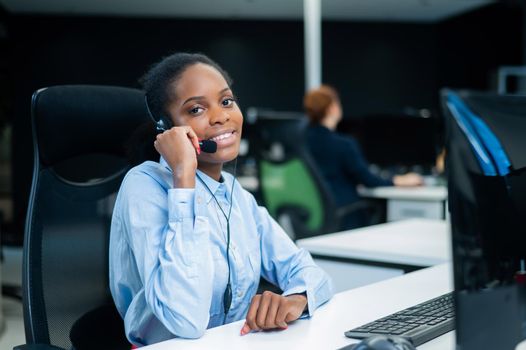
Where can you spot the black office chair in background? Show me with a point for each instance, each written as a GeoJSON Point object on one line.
{"type": "Point", "coordinates": [79, 134]}
{"type": "Point", "coordinates": [291, 185]}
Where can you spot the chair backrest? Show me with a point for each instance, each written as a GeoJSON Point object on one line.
{"type": "Point", "coordinates": [79, 135]}
{"type": "Point", "coordinates": [291, 185]}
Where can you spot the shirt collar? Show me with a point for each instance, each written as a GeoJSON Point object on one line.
{"type": "Point", "coordinates": [219, 189]}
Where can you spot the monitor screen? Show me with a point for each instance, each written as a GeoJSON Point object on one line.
{"type": "Point", "coordinates": [410, 142]}
{"type": "Point", "coordinates": [486, 169]}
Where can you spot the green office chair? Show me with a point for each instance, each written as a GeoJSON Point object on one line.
{"type": "Point", "coordinates": [291, 186]}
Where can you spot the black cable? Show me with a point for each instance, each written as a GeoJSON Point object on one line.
{"type": "Point", "coordinates": [227, 295]}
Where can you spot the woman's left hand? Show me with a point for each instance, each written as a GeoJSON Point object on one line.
{"type": "Point", "coordinates": [270, 310]}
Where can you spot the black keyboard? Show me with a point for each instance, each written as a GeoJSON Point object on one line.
{"type": "Point", "coordinates": [419, 323]}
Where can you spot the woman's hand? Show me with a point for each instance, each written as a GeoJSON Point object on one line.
{"type": "Point", "coordinates": [270, 310]}
{"type": "Point", "coordinates": [178, 146]}
{"type": "Point", "coordinates": [408, 180]}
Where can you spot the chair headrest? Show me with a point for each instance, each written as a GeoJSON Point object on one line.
{"type": "Point", "coordinates": [75, 120]}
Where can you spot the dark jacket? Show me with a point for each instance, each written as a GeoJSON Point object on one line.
{"type": "Point", "coordinates": [342, 164]}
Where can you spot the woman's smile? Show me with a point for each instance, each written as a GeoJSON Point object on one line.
{"type": "Point", "coordinates": [225, 138]}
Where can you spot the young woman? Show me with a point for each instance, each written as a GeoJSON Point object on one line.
{"type": "Point", "coordinates": [188, 243]}
{"type": "Point", "coordinates": [339, 157]}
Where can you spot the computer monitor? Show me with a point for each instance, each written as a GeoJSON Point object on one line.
{"type": "Point", "coordinates": [486, 169]}
{"type": "Point", "coordinates": [397, 142]}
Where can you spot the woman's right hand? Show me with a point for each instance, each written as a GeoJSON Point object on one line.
{"type": "Point", "coordinates": [408, 180]}
{"type": "Point", "coordinates": [178, 146]}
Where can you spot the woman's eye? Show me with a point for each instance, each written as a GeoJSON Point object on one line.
{"type": "Point", "coordinates": [196, 110]}
{"type": "Point", "coordinates": [228, 102]}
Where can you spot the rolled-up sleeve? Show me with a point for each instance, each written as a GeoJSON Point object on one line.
{"type": "Point", "coordinates": [288, 266]}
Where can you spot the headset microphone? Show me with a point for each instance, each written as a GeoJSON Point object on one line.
{"type": "Point", "coordinates": [207, 146]}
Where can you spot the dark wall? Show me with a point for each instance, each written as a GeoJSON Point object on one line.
{"type": "Point", "coordinates": [5, 69]}
{"type": "Point", "coordinates": [471, 47]}
{"type": "Point", "coordinates": [381, 67]}
{"type": "Point", "coordinates": [390, 68]}
{"type": "Point", "coordinates": [378, 67]}
{"type": "Point", "coordinates": [57, 50]}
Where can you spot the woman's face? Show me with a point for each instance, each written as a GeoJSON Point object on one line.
{"type": "Point", "coordinates": [335, 110]}
{"type": "Point", "coordinates": [205, 102]}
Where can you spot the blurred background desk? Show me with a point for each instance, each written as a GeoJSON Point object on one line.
{"type": "Point", "coordinates": [429, 202]}
{"type": "Point", "coordinates": [366, 255]}
{"type": "Point", "coordinates": [344, 311]}
{"type": "Point", "coordinates": [410, 202]}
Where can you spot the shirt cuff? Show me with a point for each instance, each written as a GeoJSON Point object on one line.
{"type": "Point", "coordinates": [180, 203]}
{"type": "Point", "coordinates": [310, 299]}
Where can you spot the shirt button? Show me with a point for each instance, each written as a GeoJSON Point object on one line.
{"type": "Point", "coordinates": [199, 200]}
{"type": "Point", "coordinates": [239, 294]}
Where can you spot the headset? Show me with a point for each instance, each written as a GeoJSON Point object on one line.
{"type": "Point", "coordinates": [162, 124]}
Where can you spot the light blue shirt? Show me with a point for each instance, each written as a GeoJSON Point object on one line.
{"type": "Point", "coordinates": [168, 267]}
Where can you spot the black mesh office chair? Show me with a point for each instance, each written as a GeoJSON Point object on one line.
{"type": "Point", "coordinates": [79, 133]}
{"type": "Point", "coordinates": [291, 185]}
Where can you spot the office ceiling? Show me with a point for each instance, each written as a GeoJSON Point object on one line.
{"type": "Point", "coordinates": [354, 10]}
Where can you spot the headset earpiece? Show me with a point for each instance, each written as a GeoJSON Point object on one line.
{"type": "Point", "coordinates": [160, 125]}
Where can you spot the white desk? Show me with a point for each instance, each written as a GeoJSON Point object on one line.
{"type": "Point", "coordinates": [413, 242]}
{"type": "Point", "coordinates": [344, 311]}
{"type": "Point", "coordinates": [410, 202]}
{"type": "Point", "coordinates": [358, 257]}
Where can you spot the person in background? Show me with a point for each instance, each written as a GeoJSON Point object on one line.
{"type": "Point", "coordinates": [188, 244]}
{"type": "Point", "coordinates": [339, 157]}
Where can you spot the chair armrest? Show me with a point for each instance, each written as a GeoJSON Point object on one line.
{"type": "Point", "coordinates": [351, 208]}
{"type": "Point", "coordinates": [36, 347]}
{"type": "Point", "coordinates": [296, 217]}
